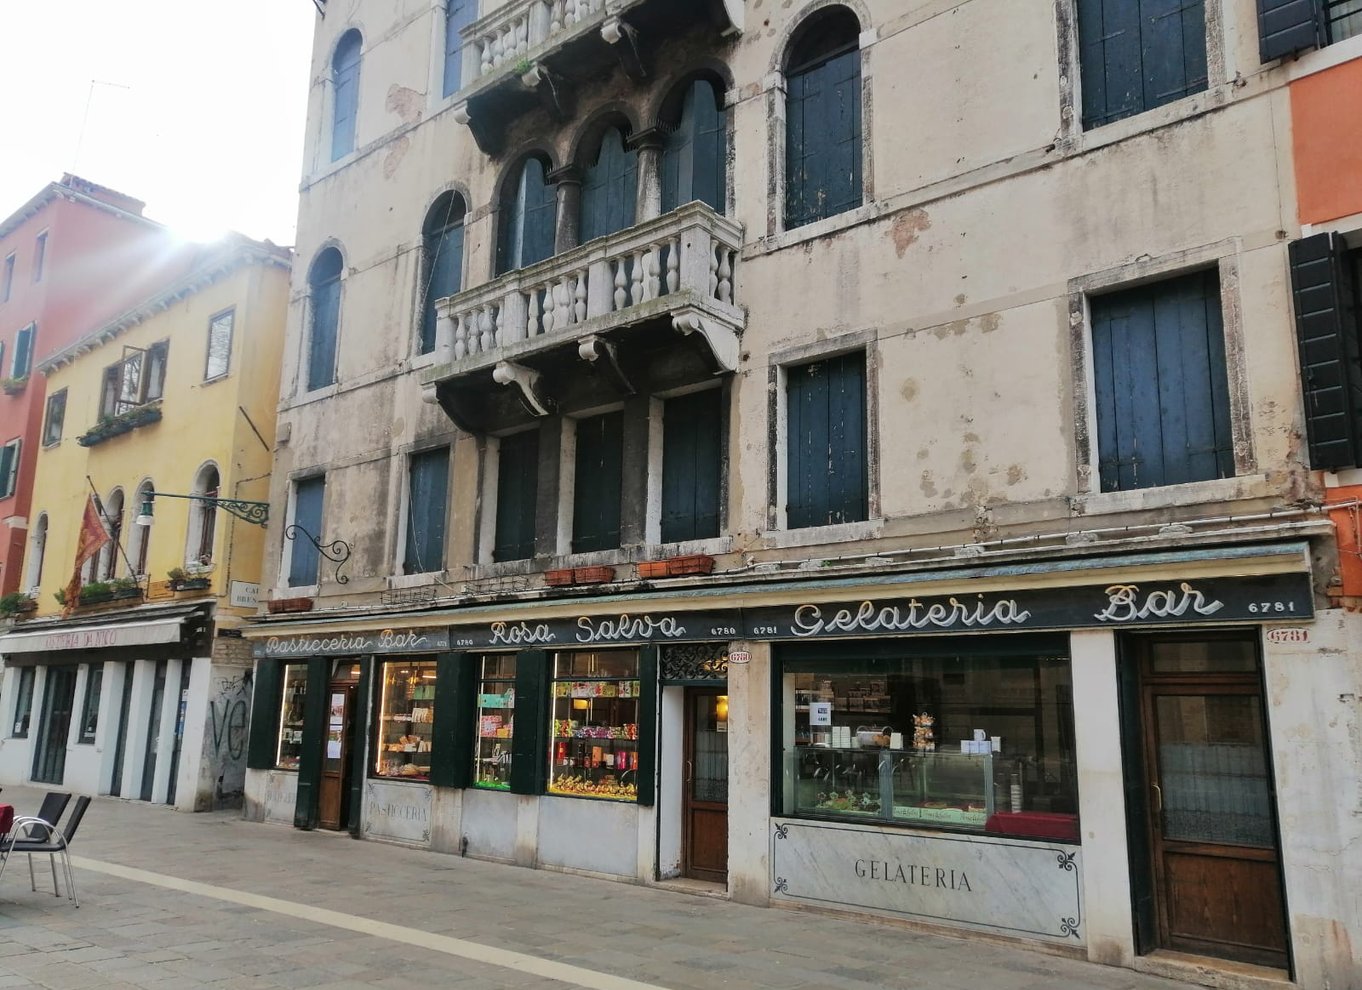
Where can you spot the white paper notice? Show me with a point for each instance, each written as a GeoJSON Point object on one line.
{"type": "Point", "coordinates": [820, 713]}
{"type": "Point", "coordinates": [333, 747]}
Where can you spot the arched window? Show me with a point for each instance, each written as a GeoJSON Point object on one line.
{"type": "Point", "coordinates": [324, 284]}
{"type": "Point", "coordinates": [529, 210]}
{"type": "Point", "coordinates": [113, 521]}
{"type": "Point", "coordinates": [609, 187]}
{"type": "Point", "coordinates": [139, 541]}
{"type": "Point", "coordinates": [458, 15]}
{"type": "Point", "coordinates": [345, 93]}
{"type": "Point", "coordinates": [694, 159]}
{"type": "Point", "coordinates": [37, 549]}
{"type": "Point", "coordinates": [202, 518]}
{"type": "Point", "coordinates": [823, 118]}
{"type": "Point", "coordinates": [441, 260]}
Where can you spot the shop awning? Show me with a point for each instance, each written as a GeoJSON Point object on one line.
{"type": "Point", "coordinates": [93, 637]}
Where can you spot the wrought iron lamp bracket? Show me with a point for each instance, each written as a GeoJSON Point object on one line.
{"type": "Point", "coordinates": [337, 551]}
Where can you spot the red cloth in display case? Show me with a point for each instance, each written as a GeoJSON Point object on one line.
{"type": "Point", "coordinates": [1035, 825]}
{"type": "Point", "coordinates": [6, 818]}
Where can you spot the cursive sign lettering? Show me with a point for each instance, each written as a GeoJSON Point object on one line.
{"type": "Point", "coordinates": [1124, 605]}
{"type": "Point", "coordinates": [521, 633]}
{"type": "Point", "coordinates": [384, 641]}
{"type": "Point", "coordinates": [628, 628]}
{"type": "Point", "coordinates": [869, 617]}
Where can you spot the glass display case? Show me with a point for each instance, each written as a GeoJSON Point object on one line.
{"type": "Point", "coordinates": [594, 730]}
{"type": "Point", "coordinates": [907, 787]}
{"type": "Point", "coordinates": [289, 749]}
{"type": "Point", "coordinates": [406, 719]}
{"type": "Point", "coordinates": [496, 722]}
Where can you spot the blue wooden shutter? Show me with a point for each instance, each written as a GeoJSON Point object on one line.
{"type": "Point", "coordinates": [609, 188]}
{"type": "Point", "coordinates": [823, 139]}
{"type": "Point", "coordinates": [326, 288]}
{"type": "Point", "coordinates": [529, 221]}
{"type": "Point", "coordinates": [692, 430]}
{"type": "Point", "coordinates": [23, 351]}
{"type": "Point", "coordinates": [1135, 55]}
{"type": "Point", "coordinates": [345, 77]}
{"type": "Point", "coordinates": [827, 471]}
{"type": "Point", "coordinates": [458, 15]}
{"type": "Point", "coordinates": [517, 488]}
{"type": "Point", "coordinates": [307, 513]}
{"type": "Point", "coordinates": [597, 484]}
{"type": "Point", "coordinates": [1327, 331]}
{"type": "Point", "coordinates": [694, 161]}
{"type": "Point", "coordinates": [1161, 386]}
{"type": "Point", "coordinates": [1289, 26]}
{"type": "Point", "coordinates": [427, 507]}
{"type": "Point", "coordinates": [444, 275]}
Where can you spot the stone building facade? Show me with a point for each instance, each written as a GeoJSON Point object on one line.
{"type": "Point", "coordinates": [852, 453]}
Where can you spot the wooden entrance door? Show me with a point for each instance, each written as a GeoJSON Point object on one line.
{"type": "Point", "coordinates": [704, 840]}
{"type": "Point", "coordinates": [59, 696]}
{"type": "Point", "coordinates": [1212, 832]}
{"type": "Point", "coordinates": [335, 784]}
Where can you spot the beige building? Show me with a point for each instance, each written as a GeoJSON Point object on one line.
{"type": "Point", "coordinates": [852, 454]}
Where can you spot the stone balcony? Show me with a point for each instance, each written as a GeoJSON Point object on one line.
{"type": "Point", "coordinates": [535, 52]}
{"type": "Point", "coordinates": [609, 306]}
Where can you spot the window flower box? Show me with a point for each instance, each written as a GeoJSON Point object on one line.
{"type": "Point", "coordinates": [651, 569]}
{"type": "Point", "coordinates": [17, 605]}
{"type": "Point", "coordinates": [558, 578]}
{"type": "Point", "coordinates": [695, 563]}
{"type": "Point", "coordinates": [109, 427]}
{"type": "Point", "coordinates": [592, 575]}
{"type": "Point", "coordinates": [13, 386]}
{"type": "Point", "coordinates": [278, 606]}
{"type": "Point", "coordinates": [191, 584]}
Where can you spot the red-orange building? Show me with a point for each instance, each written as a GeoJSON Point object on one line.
{"type": "Point", "coordinates": [73, 257]}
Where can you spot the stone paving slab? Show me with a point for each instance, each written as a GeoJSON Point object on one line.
{"type": "Point", "coordinates": [170, 900]}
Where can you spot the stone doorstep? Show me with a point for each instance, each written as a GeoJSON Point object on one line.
{"type": "Point", "coordinates": [1222, 974]}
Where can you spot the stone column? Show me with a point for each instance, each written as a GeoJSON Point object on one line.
{"type": "Point", "coordinates": [649, 146]}
{"type": "Point", "coordinates": [568, 226]}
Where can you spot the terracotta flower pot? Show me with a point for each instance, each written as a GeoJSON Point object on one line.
{"type": "Point", "coordinates": [277, 606]}
{"type": "Point", "coordinates": [696, 563]}
{"type": "Point", "coordinates": [652, 569]}
{"type": "Point", "coordinates": [593, 575]}
{"type": "Point", "coordinates": [558, 578]}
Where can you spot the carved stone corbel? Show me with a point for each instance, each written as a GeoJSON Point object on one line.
{"type": "Point", "coordinates": [555, 93]}
{"type": "Point", "coordinates": [532, 396]}
{"type": "Point", "coordinates": [620, 34]}
{"type": "Point", "coordinates": [603, 355]}
{"type": "Point", "coordinates": [723, 345]}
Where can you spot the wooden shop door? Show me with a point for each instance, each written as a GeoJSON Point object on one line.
{"type": "Point", "coordinates": [1215, 860]}
{"type": "Point", "coordinates": [334, 791]}
{"type": "Point", "coordinates": [704, 840]}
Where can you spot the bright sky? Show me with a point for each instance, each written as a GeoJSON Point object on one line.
{"type": "Point", "coordinates": [197, 107]}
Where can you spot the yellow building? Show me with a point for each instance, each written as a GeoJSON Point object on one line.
{"type": "Point", "coordinates": [176, 397]}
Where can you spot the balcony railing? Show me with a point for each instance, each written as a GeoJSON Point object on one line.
{"type": "Point", "coordinates": [508, 37]}
{"type": "Point", "coordinates": [679, 267]}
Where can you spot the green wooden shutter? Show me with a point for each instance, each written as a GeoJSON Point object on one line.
{"type": "Point", "coordinates": [827, 476]}
{"type": "Point", "coordinates": [23, 351]}
{"type": "Point", "coordinates": [692, 433]}
{"type": "Point", "coordinates": [647, 726]}
{"type": "Point", "coordinates": [530, 741]}
{"type": "Point", "coordinates": [442, 258]}
{"type": "Point", "coordinates": [360, 743]}
{"type": "Point", "coordinates": [451, 756]}
{"type": "Point", "coordinates": [458, 15]}
{"type": "Point", "coordinates": [529, 219]}
{"type": "Point", "coordinates": [427, 510]}
{"type": "Point", "coordinates": [304, 559]}
{"type": "Point", "coordinates": [609, 188]}
{"type": "Point", "coordinates": [517, 493]}
{"type": "Point", "coordinates": [324, 286]}
{"type": "Point", "coordinates": [306, 809]}
{"type": "Point", "coordinates": [266, 699]}
{"type": "Point", "coordinates": [597, 483]}
{"type": "Point", "coordinates": [1289, 26]}
{"type": "Point", "coordinates": [1327, 338]}
{"type": "Point", "coordinates": [694, 161]}
{"type": "Point", "coordinates": [1135, 55]}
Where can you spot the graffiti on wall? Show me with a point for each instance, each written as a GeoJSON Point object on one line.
{"type": "Point", "coordinates": [225, 746]}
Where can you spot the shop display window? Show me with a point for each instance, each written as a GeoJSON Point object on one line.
{"type": "Point", "coordinates": [972, 742]}
{"type": "Point", "coordinates": [594, 747]}
{"type": "Point", "coordinates": [406, 718]}
{"type": "Point", "coordinates": [496, 722]}
{"type": "Point", "coordinates": [290, 745]}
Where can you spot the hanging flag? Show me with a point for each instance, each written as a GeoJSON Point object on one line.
{"type": "Point", "coordinates": [93, 536]}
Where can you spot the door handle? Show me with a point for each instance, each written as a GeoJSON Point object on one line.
{"type": "Point", "coordinates": [690, 772]}
{"type": "Point", "coordinates": [1158, 796]}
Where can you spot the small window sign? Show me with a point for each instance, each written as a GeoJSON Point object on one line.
{"type": "Point", "coordinates": [820, 713]}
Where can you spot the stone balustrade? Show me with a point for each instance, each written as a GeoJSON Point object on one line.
{"type": "Point", "coordinates": [511, 34]}
{"type": "Point", "coordinates": [681, 261]}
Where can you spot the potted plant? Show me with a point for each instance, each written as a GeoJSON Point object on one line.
{"type": "Point", "coordinates": [176, 576]}
{"type": "Point", "coordinates": [276, 606]}
{"type": "Point", "coordinates": [13, 386]}
{"type": "Point", "coordinates": [16, 604]}
{"type": "Point", "coordinates": [96, 592]}
{"type": "Point", "coordinates": [125, 587]}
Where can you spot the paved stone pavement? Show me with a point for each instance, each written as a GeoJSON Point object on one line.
{"type": "Point", "coordinates": [177, 901]}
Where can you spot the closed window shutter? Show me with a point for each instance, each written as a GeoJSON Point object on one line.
{"type": "Point", "coordinates": [444, 273]}
{"type": "Point", "coordinates": [596, 499]}
{"type": "Point", "coordinates": [359, 753]}
{"type": "Point", "coordinates": [306, 807]}
{"type": "Point", "coordinates": [458, 15]}
{"type": "Point", "coordinates": [307, 513]}
{"type": "Point", "coordinates": [827, 475]}
{"type": "Point", "coordinates": [23, 350]}
{"type": "Point", "coordinates": [345, 77]}
{"type": "Point", "coordinates": [1161, 386]}
{"type": "Point", "coordinates": [823, 140]}
{"type": "Point", "coordinates": [694, 159]}
{"type": "Point", "coordinates": [530, 221]}
{"type": "Point", "coordinates": [517, 492]}
{"type": "Point", "coordinates": [609, 188]}
{"type": "Point", "coordinates": [266, 702]}
{"type": "Point", "coordinates": [427, 507]}
{"type": "Point", "coordinates": [691, 462]}
{"type": "Point", "coordinates": [1289, 26]}
{"type": "Point", "coordinates": [530, 741]}
{"type": "Point", "coordinates": [646, 778]}
{"type": "Point", "coordinates": [1135, 55]}
{"type": "Point", "coordinates": [451, 750]}
{"type": "Point", "coordinates": [1325, 296]}
{"type": "Point", "coordinates": [321, 365]}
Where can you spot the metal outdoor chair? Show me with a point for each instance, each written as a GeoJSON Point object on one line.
{"type": "Point", "coordinates": [40, 834]}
